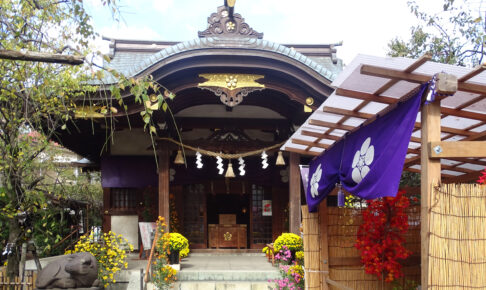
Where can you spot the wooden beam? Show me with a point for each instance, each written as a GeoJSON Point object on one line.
{"type": "Point", "coordinates": [477, 70]}
{"type": "Point", "coordinates": [347, 113]}
{"type": "Point", "coordinates": [418, 63]}
{"type": "Point", "coordinates": [468, 160]}
{"type": "Point", "coordinates": [416, 160]}
{"type": "Point", "coordinates": [447, 149]}
{"type": "Point", "coordinates": [413, 151]}
{"type": "Point", "coordinates": [464, 114]}
{"type": "Point", "coordinates": [449, 130]}
{"type": "Point", "coordinates": [388, 100]}
{"type": "Point", "coordinates": [394, 74]}
{"type": "Point", "coordinates": [320, 135]}
{"type": "Point", "coordinates": [431, 176]}
{"type": "Point", "coordinates": [476, 137]}
{"type": "Point", "coordinates": [309, 143]}
{"type": "Point", "coordinates": [302, 152]}
{"type": "Point", "coordinates": [330, 125]}
{"type": "Point", "coordinates": [164, 161]}
{"type": "Point", "coordinates": [471, 88]}
{"type": "Point", "coordinates": [416, 78]}
{"type": "Point", "coordinates": [470, 102]}
{"type": "Point", "coordinates": [41, 57]}
{"type": "Point", "coordinates": [365, 96]}
{"type": "Point", "coordinates": [294, 194]}
{"type": "Point", "coordinates": [469, 177]}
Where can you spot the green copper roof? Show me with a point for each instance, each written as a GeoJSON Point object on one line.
{"type": "Point", "coordinates": [134, 63]}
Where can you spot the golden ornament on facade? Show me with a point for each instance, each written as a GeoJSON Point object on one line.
{"type": "Point", "coordinates": [225, 81]}
{"type": "Point", "coordinates": [231, 82]}
{"type": "Point", "coordinates": [228, 236]}
{"type": "Point", "coordinates": [230, 26]}
{"type": "Point", "coordinates": [309, 101]}
{"type": "Point", "coordinates": [231, 88]}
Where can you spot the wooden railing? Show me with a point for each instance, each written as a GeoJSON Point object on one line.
{"type": "Point", "coordinates": [27, 283]}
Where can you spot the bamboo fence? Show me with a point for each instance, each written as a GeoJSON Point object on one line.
{"type": "Point", "coordinates": [457, 250]}
{"type": "Point", "coordinates": [17, 284]}
{"type": "Point", "coordinates": [310, 223]}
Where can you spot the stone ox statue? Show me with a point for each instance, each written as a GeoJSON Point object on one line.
{"type": "Point", "coordinates": [78, 270]}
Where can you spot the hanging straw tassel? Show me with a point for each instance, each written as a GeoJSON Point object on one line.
{"type": "Point", "coordinates": [230, 173]}
{"type": "Point", "coordinates": [280, 160]}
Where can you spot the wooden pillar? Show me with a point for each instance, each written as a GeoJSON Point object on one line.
{"type": "Point", "coordinates": [106, 210]}
{"type": "Point", "coordinates": [294, 194]}
{"type": "Point", "coordinates": [276, 212]}
{"type": "Point", "coordinates": [164, 185]}
{"type": "Point", "coordinates": [430, 170]}
{"type": "Point", "coordinates": [324, 245]}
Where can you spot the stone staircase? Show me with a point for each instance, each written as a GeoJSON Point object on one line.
{"type": "Point", "coordinates": [206, 271]}
{"type": "Point", "coordinates": [221, 271]}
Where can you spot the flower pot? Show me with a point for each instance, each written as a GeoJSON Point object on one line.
{"type": "Point", "coordinates": [173, 257]}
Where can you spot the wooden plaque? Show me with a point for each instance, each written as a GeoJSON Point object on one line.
{"type": "Point", "coordinates": [227, 219]}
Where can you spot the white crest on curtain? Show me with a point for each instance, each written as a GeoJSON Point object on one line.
{"type": "Point", "coordinates": [362, 160]}
{"type": "Point", "coordinates": [314, 183]}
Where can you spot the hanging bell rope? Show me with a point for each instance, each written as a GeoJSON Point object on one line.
{"type": "Point", "coordinates": [223, 155]}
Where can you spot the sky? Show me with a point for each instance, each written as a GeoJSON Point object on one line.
{"type": "Point", "coordinates": [364, 27]}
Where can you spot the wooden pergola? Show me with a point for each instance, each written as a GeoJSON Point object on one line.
{"type": "Point", "coordinates": [451, 128]}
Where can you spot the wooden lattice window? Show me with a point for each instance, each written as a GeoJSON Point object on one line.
{"type": "Point", "coordinates": [261, 225]}
{"type": "Point", "coordinates": [124, 198]}
{"type": "Point", "coordinates": [194, 213]}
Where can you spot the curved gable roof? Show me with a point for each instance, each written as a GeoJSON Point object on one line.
{"type": "Point", "coordinates": [250, 44]}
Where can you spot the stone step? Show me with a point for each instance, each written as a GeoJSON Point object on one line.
{"type": "Point", "coordinates": [227, 275]}
{"type": "Point", "coordinates": [217, 285]}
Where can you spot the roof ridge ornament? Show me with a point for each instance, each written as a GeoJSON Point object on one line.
{"type": "Point", "coordinates": [225, 23]}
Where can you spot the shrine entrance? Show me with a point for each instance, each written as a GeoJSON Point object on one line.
{"type": "Point", "coordinates": [241, 219]}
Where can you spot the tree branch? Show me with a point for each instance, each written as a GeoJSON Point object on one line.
{"type": "Point", "coordinates": [41, 57]}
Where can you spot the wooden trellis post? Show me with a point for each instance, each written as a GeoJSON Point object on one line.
{"type": "Point", "coordinates": [430, 177]}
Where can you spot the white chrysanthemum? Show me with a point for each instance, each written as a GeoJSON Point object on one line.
{"type": "Point", "coordinates": [314, 183]}
{"type": "Point", "coordinates": [362, 160]}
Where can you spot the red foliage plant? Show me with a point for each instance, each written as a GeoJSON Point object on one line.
{"type": "Point", "coordinates": [381, 236]}
{"type": "Point", "coordinates": [482, 178]}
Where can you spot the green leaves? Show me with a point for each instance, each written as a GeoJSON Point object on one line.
{"type": "Point", "coordinates": [453, 35]}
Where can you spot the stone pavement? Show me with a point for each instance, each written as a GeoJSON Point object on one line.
{"type": "Point", "coordinates": [219, 270]}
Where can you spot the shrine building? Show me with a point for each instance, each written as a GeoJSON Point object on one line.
{"type": "Point", "coordinates": [238, 99]}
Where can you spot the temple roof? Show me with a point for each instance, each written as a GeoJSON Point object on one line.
{"type": "Point", "coordinates": [226, 30]}
{"type": "Point", "coordinates": [132, 57]}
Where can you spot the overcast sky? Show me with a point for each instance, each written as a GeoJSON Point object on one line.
{"type": "Point", "coordinates": [362, 26]}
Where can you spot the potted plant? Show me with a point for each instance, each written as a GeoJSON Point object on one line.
{"type": "Point", "coordinates": [286, 245]}
{"type": "Point", "coordinates": [175, 243]}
